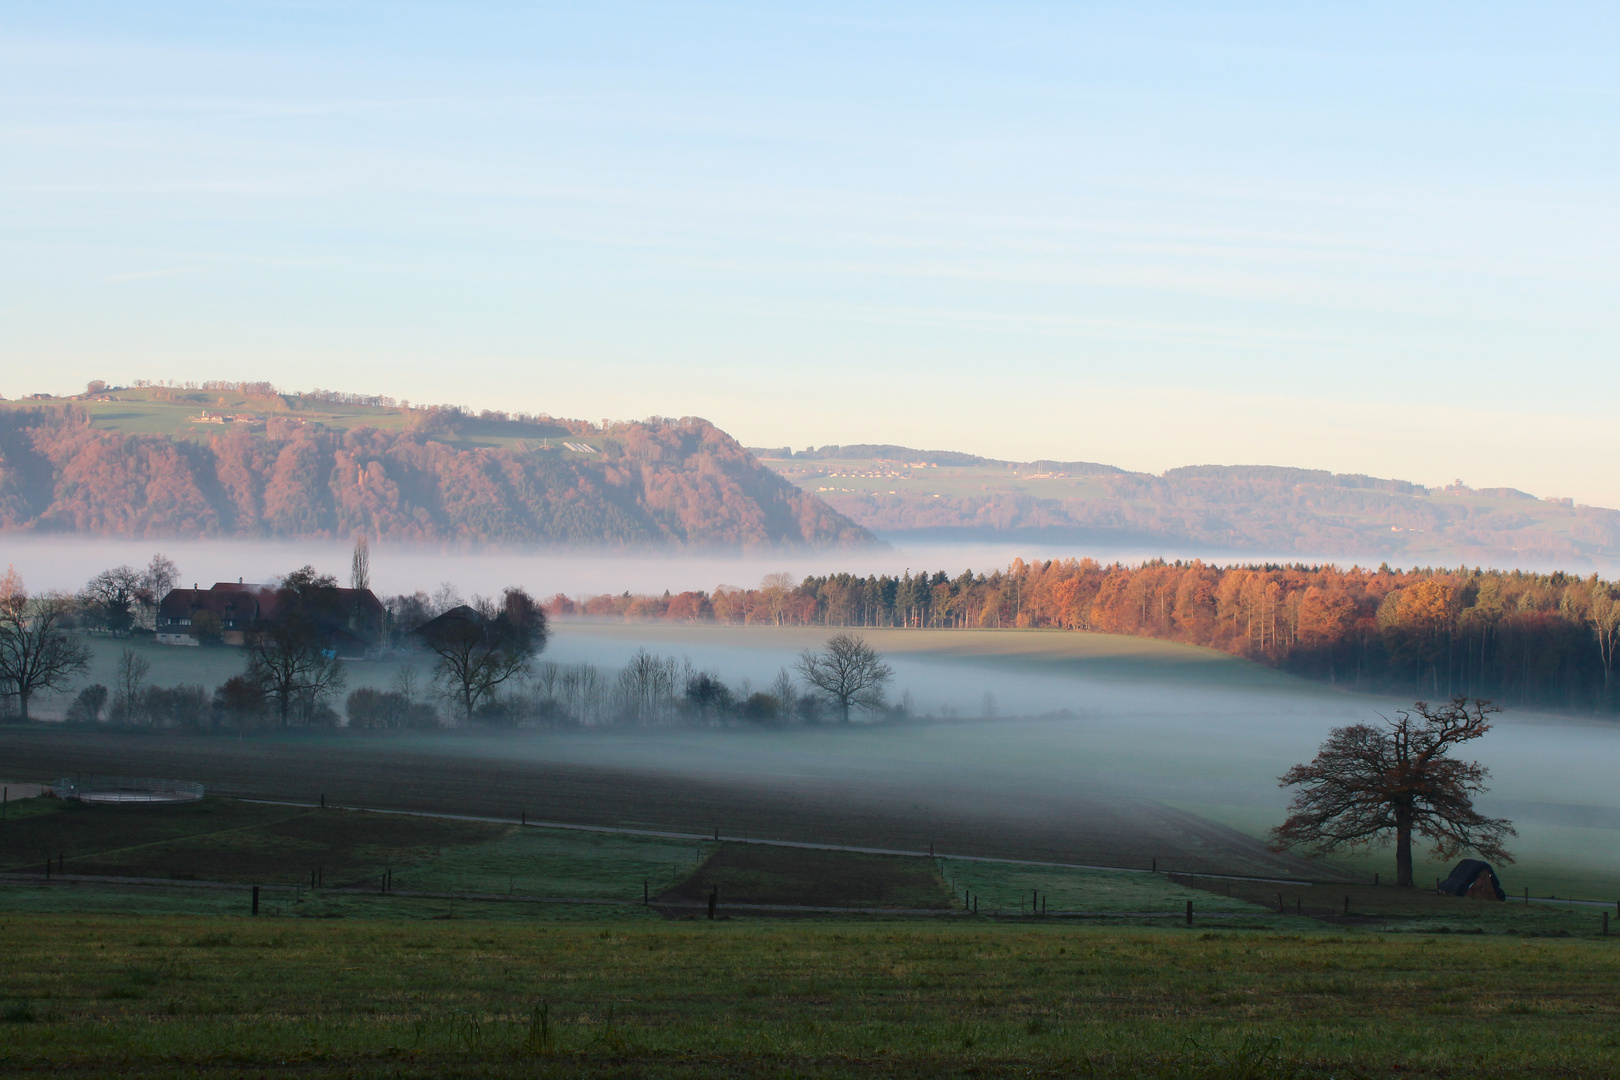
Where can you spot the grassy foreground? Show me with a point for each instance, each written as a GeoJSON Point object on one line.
{"type": "Point", "coordinates": [93, 995]}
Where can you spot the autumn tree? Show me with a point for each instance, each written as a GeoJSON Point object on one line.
{"type": "Point", "coordinates": [1602, 611]}
{"type": "Point", "coordinates": [36, 651]}
{"type": "Point", "coordinates": [480, 647]}
{"type": "Point", "coordinates": [848, 671]}
{"type": "Point", "coordinates": [1368, 782]}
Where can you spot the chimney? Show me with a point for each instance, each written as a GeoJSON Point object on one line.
{"type": "Point", "coordinates": [239, 581]}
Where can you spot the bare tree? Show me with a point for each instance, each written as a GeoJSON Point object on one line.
{"type": "Point", "coordinates": [479, 651]}
{"type": "Point", "coordinates": [286, 655]}
{"type": "Point", "coordinates": [36, 651]}
{"type": "Point", "coordinates": [156, 581]}
{"type": "Point", "coordinates": [849, 672]}
{"type": "Point", "coordinates": [1368, 782]}
{"type": "Point", "coordinates": [110, 598]}
{"type": "Point", "coordinates": [782, 688]}
{"type": "Point", "coordinates": [645, 687]}
{"type": "Point", "coordinates": [129, 677]}
{"type": "Point", "coordinates": [360, 565]}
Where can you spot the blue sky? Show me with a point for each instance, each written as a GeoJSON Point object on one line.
{"type": "Point", "coordinates": [1354, 237]}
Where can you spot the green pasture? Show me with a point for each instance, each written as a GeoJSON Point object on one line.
{"type": "Point", "coordinates": [1007, 888]}
{"type": "Point", "coordinates": [553, 874]}
{"type": "Point", "coordinates": [90, 995]}
{"type": "Point", "coordinates": [170, 412]}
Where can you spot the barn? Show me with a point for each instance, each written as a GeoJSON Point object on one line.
{"type": "Point", "coordinates": [1474, 879]}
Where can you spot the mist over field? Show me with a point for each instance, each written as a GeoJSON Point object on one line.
{"type": "Point", "coordinates": [1103, 748]}
{"type": "Point", "coordinates": [1086, 715]}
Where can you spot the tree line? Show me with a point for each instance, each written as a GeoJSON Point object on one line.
{"type": "Point", "coordinates": [1514, 636]}
{"type": "Point", "coordinates": [465, 662]}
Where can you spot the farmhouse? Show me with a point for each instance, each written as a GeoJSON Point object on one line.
{"type": "Point", "coordinates": [350, 625]}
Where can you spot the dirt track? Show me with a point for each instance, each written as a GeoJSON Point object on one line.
{"type": "Point", "coordinates": [376, 770]}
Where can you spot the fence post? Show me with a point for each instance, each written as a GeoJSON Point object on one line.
{"type": "Point", "coordinates": [255, 899]}
{"type": "Point", "coordinates": [1189, 913]}
{"type": "Point", "coordinates": [323, 800]}
{"type": "Point", "coordinates": [1527, 896]}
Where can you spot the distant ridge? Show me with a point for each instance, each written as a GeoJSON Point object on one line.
{"type": "Point", "coordinates": [243, 459]}
{"type": "Point", "coordinates": [1268, 510]}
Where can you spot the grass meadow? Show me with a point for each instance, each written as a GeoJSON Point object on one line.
{"type": "Point", "coordinates": [461, 971]}
{"type": "Point", "coordinates": [90, 995]}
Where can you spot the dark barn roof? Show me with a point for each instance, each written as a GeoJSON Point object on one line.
{"type": "Point", "coordinates": [1466, 873]}
{"type": "Point", "coordinates": [236, 604]}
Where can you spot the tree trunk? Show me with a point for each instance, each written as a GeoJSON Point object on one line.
{"type": "Point", "coordinates": [1403, 848]}
{"type": "Point", "coordinates": [22, 704]}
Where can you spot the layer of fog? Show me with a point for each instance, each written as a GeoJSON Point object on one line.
{"type": "Point", "coordinates": [1211, 736]}
{"type": "Point", "coordinates": [1219, 733]}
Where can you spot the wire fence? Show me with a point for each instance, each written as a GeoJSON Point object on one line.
{"type": "Point", "coordinates": [126, 789]}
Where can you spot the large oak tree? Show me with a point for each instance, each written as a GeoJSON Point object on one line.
{"type": "Point", "coordinates": [1368, 784]}
{"type": "Point", "coordinates": [36, 651]}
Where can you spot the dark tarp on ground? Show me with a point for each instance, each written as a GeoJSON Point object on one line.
{"type": "Point", "coordinates": [1468, 872]}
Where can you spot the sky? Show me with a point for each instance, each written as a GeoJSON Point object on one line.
{"type": "Point", "coordinates": [1369, 238]}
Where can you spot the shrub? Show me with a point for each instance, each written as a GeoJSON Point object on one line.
{"type": "Point", "coordinates": [761, 708]}
{"type": "Point", "coordinates": [368, 707]}
{"type": "Point", "coordinates": [86, 708]}
{"type": "Point", "coordinates": [239, 702]}
{"type": "Point", "coordinates": [178, 706]}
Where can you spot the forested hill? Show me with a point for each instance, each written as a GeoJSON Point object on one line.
{"type": "Point", "coordinates": [1264, 510]}
{"type": "Point", "coordinates": [244, 460]}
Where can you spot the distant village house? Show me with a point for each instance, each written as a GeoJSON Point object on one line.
{"type": "Point", "coordinates": [350, 628]}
